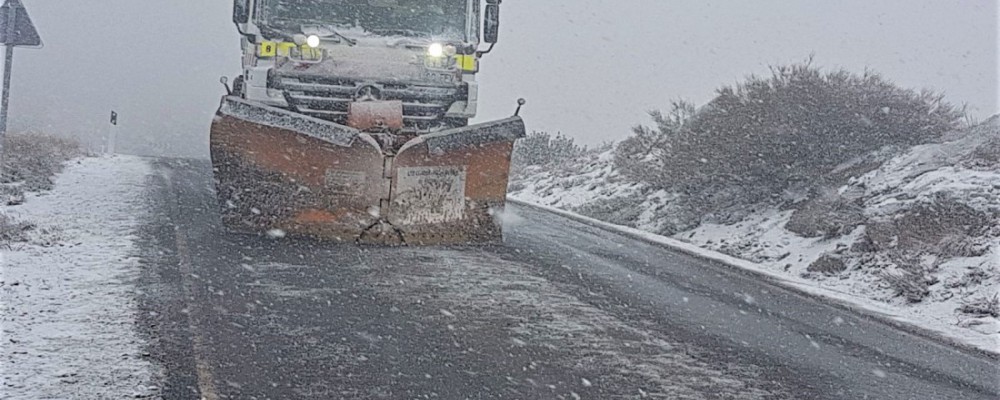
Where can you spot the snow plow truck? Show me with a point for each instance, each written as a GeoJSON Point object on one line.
{"type": "Point", "coordinates": [350, 122]}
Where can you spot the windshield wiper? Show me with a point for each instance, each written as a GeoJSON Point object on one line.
{"type": "Point", "coordinates": [399, 31]}
{"type": "Point", "coordinates": [350, 42]}
{"type": "Point", "coordinates": [327, 31]}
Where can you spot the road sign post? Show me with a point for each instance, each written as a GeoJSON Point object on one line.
{"type": "Point", "coordinates": [16, 30]}
{"type": "Point", "coordinates": [7, 68]}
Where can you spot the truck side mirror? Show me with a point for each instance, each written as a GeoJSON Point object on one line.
{"type": "Point", "coordinates": [491, 29]}
{"type": "Point", "coordinates": [241, 11]}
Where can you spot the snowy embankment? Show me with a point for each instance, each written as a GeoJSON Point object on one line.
{"type": "Point", "coordinates": [68, 287]}
{"type": "Point", "coordinates": [931, 209]}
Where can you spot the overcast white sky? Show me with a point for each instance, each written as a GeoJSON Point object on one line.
{"type": "Point", "coordinates": [589, 68]}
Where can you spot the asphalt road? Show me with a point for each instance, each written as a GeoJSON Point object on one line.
{"type": "Point", "coordinates": [561, 311]}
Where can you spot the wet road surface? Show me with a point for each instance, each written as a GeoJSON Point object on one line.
{"type": "Point", "coordinates": [561, 311]}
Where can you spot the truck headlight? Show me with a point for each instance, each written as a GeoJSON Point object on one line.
{"type": "Point", "coordinates": [436, 50]}
{"type": "Point", "coordinates": [313, 41]}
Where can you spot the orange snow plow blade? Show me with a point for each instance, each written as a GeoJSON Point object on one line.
{"type": "Point", "coordinates": [448, 187]}
{"type": "Point", "coordinates": [282, 172]}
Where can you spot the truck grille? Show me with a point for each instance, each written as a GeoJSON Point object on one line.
{"type": "Point", "coordinates": [327, 98]}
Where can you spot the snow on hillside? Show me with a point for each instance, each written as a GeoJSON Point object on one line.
{"type": "Point", "coordinates": [68, 287]}
{"type": "Point", "coordinates": [591, 178]}
{"type": "Point", "coordinates": [900, 211]}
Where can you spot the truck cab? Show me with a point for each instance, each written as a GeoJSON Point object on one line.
{"type": "Point", "coordinates": [322, 57]}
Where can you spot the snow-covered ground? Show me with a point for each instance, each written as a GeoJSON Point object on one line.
{"type": "Point", "coordinates": [68, 291]}
{"type": "Point", "coordinates": [760, 241]}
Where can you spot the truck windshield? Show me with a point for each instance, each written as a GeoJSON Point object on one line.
{"type": "Point", "coordinates": [421, 18]}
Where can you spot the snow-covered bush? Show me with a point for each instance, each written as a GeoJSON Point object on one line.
{"type": "Point", "coordinates": [987, 155]}
{"type": "Point", "coordinates": [828, 215]}
{"type": "Point", "coordinates": [912, 283]}
{"type": "Point", "coordinates": [642, 156]}
{"type": "Point", "coordinates": [541, 148]}
{"type": "Point", "coordinates": [31, 159]}
{"type": "Point", "coordinates": [912, 243]}
{"type": "Point", "coordinates": [13, 231]}
{"type": "Point", "coordinates": [938, 226]}
{"type": "Point", "coordinates": [828, 264]}
{"type": "Point", "coordinates": [768, 133]}
{"type": "Point", "coordinates": [983, 306]}
{"type": "Point", "coordinates": [623, 211]}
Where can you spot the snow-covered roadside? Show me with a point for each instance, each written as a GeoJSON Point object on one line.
{"type": "Point", "coordinates": [69, 307]}
{"type": "Point", "coordinates": [761, 241]}
{"type": "Point", "coordinates": [918, 318]}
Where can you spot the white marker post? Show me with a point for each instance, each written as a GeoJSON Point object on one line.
{"type": "Point", "coordinates": [113, 132]}
{"type": "Point", "coordinates": [16, 30]}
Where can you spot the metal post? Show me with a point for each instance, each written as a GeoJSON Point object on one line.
{"type": "Point", "coordinates": [8, 66]}
{"type": "Point", "coordinates": [8, 63]}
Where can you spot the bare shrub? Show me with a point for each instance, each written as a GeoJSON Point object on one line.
{"type": "Point", "coordinates": [911, 279]}
{"type": "Point", "coordinates": [962, 246]}
{"type": "Point", "coordinates": [987, 155]}
{"type": "Point", "coordinates": [974, 277]}
{"type": "Point", "coordinates": [541, 148]}
{"type": "Point", "coordinates": [619, 211]}
{"type": "Point", "coordinates": [828, 264]}
{"type": "Point", "coordinates": [641, 156]}
{"type": "Point", "coordinates": [13, 231]}
{"type": "Point", "coordinates": [911, 285]}
{"type": "Point", "coordinates": [826, 216]}
{"type": "Point", "coordinates": [516, 186]}
{"type": "Point", "coordinates": [942, 225]}
{"type": "Point", "coordinates": [34, 158]}
{"type": "Point", "coordinates": [983, 306]}
{"type": "Point", "coordinates": [11, 194]}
